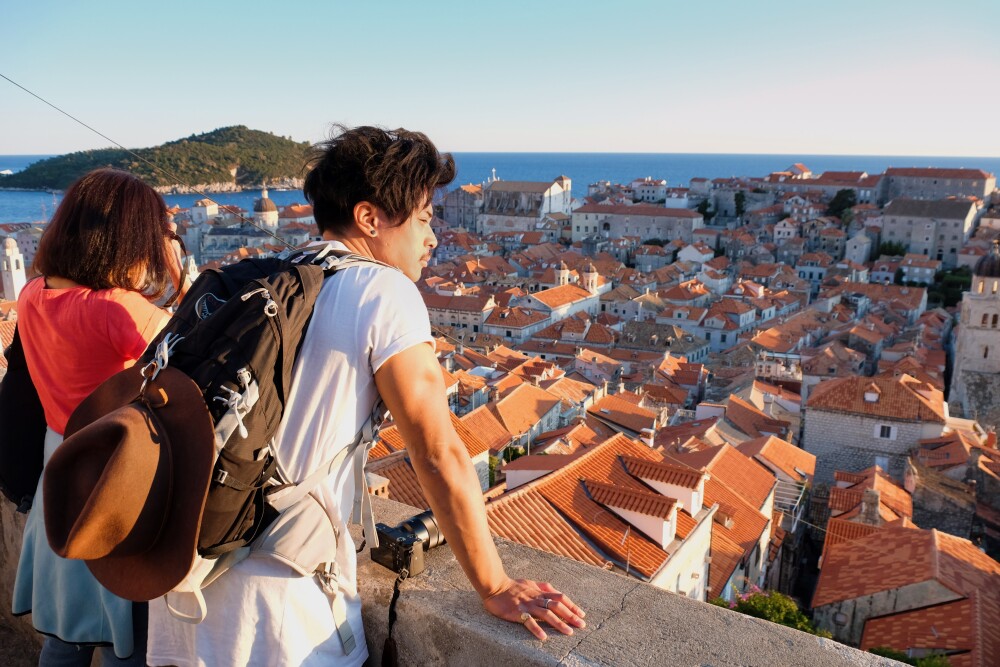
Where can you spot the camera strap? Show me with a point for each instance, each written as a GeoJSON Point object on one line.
{"type": "Point", "coordinates": [390, 655]}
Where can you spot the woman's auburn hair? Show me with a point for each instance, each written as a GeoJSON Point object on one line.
{"type": "Point", "coordinates": [108, 232]}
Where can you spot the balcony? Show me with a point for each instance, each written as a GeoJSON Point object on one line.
{"type": "Point", "coordinates": [441, 621]}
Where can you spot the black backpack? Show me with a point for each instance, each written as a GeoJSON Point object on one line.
{"type": "Point", "coordinates": [237, 334]}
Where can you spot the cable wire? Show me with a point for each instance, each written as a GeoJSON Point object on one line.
{"type": "Point", "coordinates": [163, 171]}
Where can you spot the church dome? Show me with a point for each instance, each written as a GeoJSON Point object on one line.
{"type": "Point", "coordinates": [988, 265]}
{"type": "Point", "coordinates": [264, 205]}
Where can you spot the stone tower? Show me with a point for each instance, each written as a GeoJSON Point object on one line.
{"type": "Point", "coordinates": [975, 380]}
{"type": "Point", "coordinates": [14, 276]}
{"type": "Point", "coordinates": [590, 278]}
{"type": "Point", "coordinates": [562, 274]}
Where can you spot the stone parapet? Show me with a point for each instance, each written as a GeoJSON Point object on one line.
{"type": "Point", "coordinates": [442, 622]}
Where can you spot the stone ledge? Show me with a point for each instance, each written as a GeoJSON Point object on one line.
{"type": "Point", "coordinates": [442, 622]}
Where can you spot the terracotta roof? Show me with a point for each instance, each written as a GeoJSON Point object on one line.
{"type": "Point", "coordinates": [949, 627]}
{"type": "Point", "coordinates": [747, 418]}
{"type": "Point", "coordinates": [564, 490]}
{"type": "Point", "coordinates": [741, 474]}
{"type": "Point", "coordinates": [638, 210]}
{"type": "Point", "coordinates": [903, 398]}
{"type": "Point", "coordinates": [524, 407]}
{"type": "Point", "coordinates": [6, 336]}
{"type": "Point", "coordinates": [403, 484]}
{"type": "Point", "coordinates": [662, 471]}
{"type": "Point", "coordinates": [898, 556]}
{"type": "Point", "coordinates": [528, 518]}
{"type": "Point", "coordinates": [841, 530]}
{"type": "Point", "coordinates": [774, 452]}
{"type": "Point", "coordinates": [390, 440]}
{"type": "Point", "coordinates": [623, 413]}
{"type": "Point", "coordinates": [487, 427]}
{"type": "Point", "coordinates": [748, 522]}
{"type": "Point", "coordinates": [562, 295]}
{"type": "Point", "coordinates": [632, 500]}
{"type": "Point", "coordinates": [893, 496]}
{"type": "Point", "coordinates": [936, 172]}
{"type": "Point", "coordinates": [726, 556]}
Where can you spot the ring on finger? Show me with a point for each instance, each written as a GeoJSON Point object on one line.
{"type": "Point", "coordinates": [525, 617]}
{"type": "Point", "coordinates": [546, 602]}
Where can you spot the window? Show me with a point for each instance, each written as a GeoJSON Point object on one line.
{"type": "Point", "coordinates": [882, 462]}
{"type": "Point", "coordinates": [985, 318]}
{"type": "Point", "coordinates": [995, 318]}
{"type": "Point", "coordinates": [885, 432]}
{"type": "Point", "coordinates": [986, 351]}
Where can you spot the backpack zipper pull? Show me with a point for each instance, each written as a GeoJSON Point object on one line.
{"type": "Point", "coordinates": [270, 308]}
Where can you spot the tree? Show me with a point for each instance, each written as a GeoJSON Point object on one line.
{"type": "Point", "coordinates": [741, 203]}
{"type": "Point", "coordinates": [891, 248]}
{"type": "Point", "coordinates": [842, 201]}
{"type": "Point", "coordinates": [771, 606]}
{"type": "Point", "coordinates": [703, 209]}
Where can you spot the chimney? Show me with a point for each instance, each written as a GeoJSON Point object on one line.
{"type": "Point", "coordinates": [870, 500]}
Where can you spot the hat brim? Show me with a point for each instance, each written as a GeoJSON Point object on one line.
{"type": "Point", "coordinates": [191, 437]}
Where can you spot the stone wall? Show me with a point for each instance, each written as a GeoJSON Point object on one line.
{"type": "Point", "coordinates": [441, 621]}
{"type": "Point", "coordinates": [847, 442]}
{"type": "Point", "coordinates": [850, 627]}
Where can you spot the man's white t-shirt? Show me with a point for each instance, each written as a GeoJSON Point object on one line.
{"type": "Point", "coordinates": [261, 612]}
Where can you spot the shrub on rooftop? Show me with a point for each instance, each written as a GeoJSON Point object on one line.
{"type": "Point", "coordinates": [771, 606]}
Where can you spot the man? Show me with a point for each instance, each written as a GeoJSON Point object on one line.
{"type": "Point", "coordinates": [369, 337]}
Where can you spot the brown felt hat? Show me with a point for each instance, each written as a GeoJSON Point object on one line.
{"type": "Point", "coordinates": [126, 489]}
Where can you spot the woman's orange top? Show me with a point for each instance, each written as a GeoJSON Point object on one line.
{"type": "Point", "coordinates": [76, 338]}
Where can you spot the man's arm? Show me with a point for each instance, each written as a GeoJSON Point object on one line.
{"type": "Point", "coordinates": [411, 385]}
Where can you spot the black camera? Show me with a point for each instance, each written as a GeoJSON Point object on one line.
{"type": "Point", "coordinates": [402, 547]}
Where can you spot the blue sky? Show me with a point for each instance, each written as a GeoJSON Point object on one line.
{"type": "Point", "coordinates": [878, 77]}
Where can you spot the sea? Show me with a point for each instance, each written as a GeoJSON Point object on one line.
{"type": "Point", "coordinates": [582, 168]}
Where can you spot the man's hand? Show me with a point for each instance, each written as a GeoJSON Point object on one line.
{"type": "Point", "coordinates": [540, 601]}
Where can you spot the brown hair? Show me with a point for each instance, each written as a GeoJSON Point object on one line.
{"type": "Point", "coordinates": [108, 232]}
{"type": "Point", "coordinates": [396, 170]}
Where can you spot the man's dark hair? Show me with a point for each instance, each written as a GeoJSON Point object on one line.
{"type": "Point", "coordinates": [108, 232]}
{"type": "Point", "coordinates": [396, 170]}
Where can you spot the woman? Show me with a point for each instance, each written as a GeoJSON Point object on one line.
{"type": "Point", "coordinates": [104, 256]}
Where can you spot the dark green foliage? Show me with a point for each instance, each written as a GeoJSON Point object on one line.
{"type": "Point", "coordinates": [771, 606]}
{"type": "Point", "coordinates": [926, 661]}
{"type": "Point", "coordinates": [656, 242]}
{"type": "Point", "coordinates": [948, 287]}
{"type": "Point", "coordinates": [741, 203]}
{"type": "Point", "coordinates": [891, 248]}
{"type": "Point", "coordinates": [703, 209]}
{"type": "Point", "coordinates": [493, 469]}
{"type": "Point", "coordinates": [842, 201]}
{"type": "Point", "coordinates": [258, 158]}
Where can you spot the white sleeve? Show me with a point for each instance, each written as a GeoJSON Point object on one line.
{"type": "Point", "coordinates": [396, 318]}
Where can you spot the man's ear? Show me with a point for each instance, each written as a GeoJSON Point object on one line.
{"type": "Point", "coordinates": [367, 218]}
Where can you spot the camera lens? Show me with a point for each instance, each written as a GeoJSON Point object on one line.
{"type": "Point", "coordinates": [424, 526]}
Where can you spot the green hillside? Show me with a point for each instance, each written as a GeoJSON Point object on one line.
{"type": "Point", "coordinates": [255, 157]}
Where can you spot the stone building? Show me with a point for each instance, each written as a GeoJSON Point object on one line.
{"type": "Point", "coordinates": [853, 423]}
{"type": "Point", "coordinates": [612, 221]}
{"type": "Point", "coordinates": [935, 228]}
{"type": "Point", "coordinates": [931, 183]}
{"type": "Point", "coordinates": [12, 271]}
{"type": "Point", "coordinates": [975, 380]}
{"type": "Point", "coordinates": [462, 205]}
{"type": "Point", "coordinates": [522, 205]}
